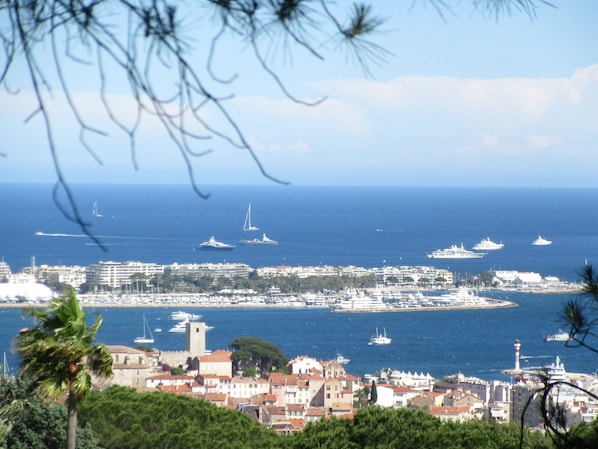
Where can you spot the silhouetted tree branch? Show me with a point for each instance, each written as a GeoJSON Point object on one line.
{"type": "Point", "coordinates": [581, 317]}
{"type": "Point", "coordinates": [146, 41]}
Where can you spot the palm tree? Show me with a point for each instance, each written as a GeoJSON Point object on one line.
{"type": "Point", "coordinates": [59, 354]}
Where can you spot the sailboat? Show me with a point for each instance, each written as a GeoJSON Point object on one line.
{"type": "Point", "coordinates": [380, 339]}
{"type": "Point", "coordinates": [247, 226]}
{"type": "Point", "coordinates": [145, 338]}
{"type": "Point", "coordinates": [95, 211]}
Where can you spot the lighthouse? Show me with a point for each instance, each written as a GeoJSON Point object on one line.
{"type": "Point", "coordinates": [517, 354]}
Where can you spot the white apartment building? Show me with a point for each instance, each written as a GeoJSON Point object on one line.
{"type": "Point", "coordinates": [72, 275]}
{"type": "Point", "coordinates": [117, 274]}
{"type": "Point", "coordinates": [217, 270]}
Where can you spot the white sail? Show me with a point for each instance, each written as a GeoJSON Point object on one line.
{"type": "Point", "coordinates": [247, 226]}
{"type": "Point", "coordinates": [95, 211]}
{"type": "Point", "coordinates": [146, 338]}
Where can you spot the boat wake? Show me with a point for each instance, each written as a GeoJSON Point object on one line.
{"type": "Point", "coordinates": [44, 234]}
{"type": "Point", "coordinates": [122, 237]}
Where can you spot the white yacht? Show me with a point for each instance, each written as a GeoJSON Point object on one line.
{"type": "Point", "coordinates": [180, 315]}
{"type": "Point", "coordinates": [559, 336]}
{"type": "Point", "coordinates": [341, 360]}
{"type": "Point", "coordinates": [212, 243]}
{"type": "Point", "coordinates": [180, 327]}
{"type": "Point", "coordinates": [540, 241]}
{"type": "Point", "coordinates": [380, 339]}
{"type": "Point", "coordinates": [455, 252]}
{"type": "Point", "coordinates": [145, 339]}
{"type": "Point", "coordinates": [265, 240]}
{"type": "Point", "coordinates": [488, 245]}
{"type": "Point", "coordinates": [354, 301]}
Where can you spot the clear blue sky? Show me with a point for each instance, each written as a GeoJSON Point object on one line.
{"type": "Point", "coordinates": [464, 101]}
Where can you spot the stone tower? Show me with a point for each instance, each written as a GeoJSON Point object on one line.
{"type": "Point", "coordinates": [196, 339]}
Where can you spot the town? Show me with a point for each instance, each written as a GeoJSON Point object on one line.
{"type": "Point", "coordinates": [316, 389]}
{"type": "Point", "coordinates": [307, 389]}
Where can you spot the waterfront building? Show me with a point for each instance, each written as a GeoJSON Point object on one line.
{"type": "Point", "coordinates": [73, 275]}
{"type": "Point", "coordinates": [216, 270]}
{"type": "Point", "coordinates": [119, 274]}
{"type": "Point", "coordinates": [487, 391]}
{"type": "Point", "coordinates": [414, 381]}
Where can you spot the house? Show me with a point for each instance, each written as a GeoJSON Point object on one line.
{"type": "Point", "coordinates": [218, 362]}
{"type": "Point", "coordinates": [246, 387]}
{"type": "Point", "coordinates": [402, 396]}
{"type": "Point", "coordinates": [167, 379]}
{"type": "Point", "coordinates": [130, 367]}
{"type": "Point", "coordinates": [427, 399]}
{"type": "Point", "coordinates": [446, 413]}
{"type": "Point", "coordinates": [304, 364]}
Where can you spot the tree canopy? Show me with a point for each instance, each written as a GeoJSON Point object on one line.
{"type": "Point", "coordinates": [164, 56]}
{"type": "Point", "coordinates": [35, 422]}
{"type": "Point", "coordinates": [123, 418]}
{"type": "Point", "coordinates": [257, 354]}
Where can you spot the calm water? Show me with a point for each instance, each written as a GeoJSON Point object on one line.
{"type": "Point", "coordinates": [475, 342]}
{"type": "Point", "coordinates": [336, 226]}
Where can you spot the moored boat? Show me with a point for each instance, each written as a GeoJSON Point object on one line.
{"type": "Point", "coordinates": [455, 252]}
{"type": "Point", "coordinates": [180, 327]}
{"type": "Point", "coordinates": [212, 243]}
{"type": "Point", "coordinates": [265, 240]}
{"type": "Point", "coordinates": [488, 245]}
{"type": "Point", "coordinates": [559, 336]}
{"type": "Point", "coordinates": [341, 360]}
{"type": "Point", "coordinates": [379, 339]}
{"type": "Point", "coordinates": [145, 339]}
{"type": "Point", "coordinates": [247, 226]}
{"type": "Point", "coordinates": [541, 241]}
{"type": "Point", "coordinates": [180, 315]}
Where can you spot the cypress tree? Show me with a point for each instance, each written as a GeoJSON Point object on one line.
{"type": "Point", "coordinates": [373, 393]}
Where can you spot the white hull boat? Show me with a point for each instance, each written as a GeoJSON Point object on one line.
{"type": "Point", "coordinates": [214, 244]}
{"type": "Point", "coordinates": [265, 240]}
{"type": "Point", "coordinates": [380, 339]}
{"type": "Point", "coordinates": [540, 241]}
{"type": "Point", "coordinates": [247, 226]}
{"type": "Point", "coordinates": [488, 245]}
{"type": "Point", "coordinates": [145, 339]}
{"type": "Point", "coordinates": [455, 252]}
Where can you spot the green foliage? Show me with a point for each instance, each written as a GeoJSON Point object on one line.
{"type": "Point", "coordinates": [255, 353]}
{"type": "Point", "coordinates": [178, 371]}
{"type": "Point", "coordinates": [376, 427]}
{"type": "Point", "coordinates": [59, 354]}
{"type": "Point", "coordinates": [249, 372]}
{"type": "Point", "coordinates": [38, 423]}
{"type": "Point", "coordinates": [123, 418]}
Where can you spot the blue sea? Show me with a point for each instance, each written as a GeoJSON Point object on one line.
{"type": "Point", "coordinates": [362, 226]}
